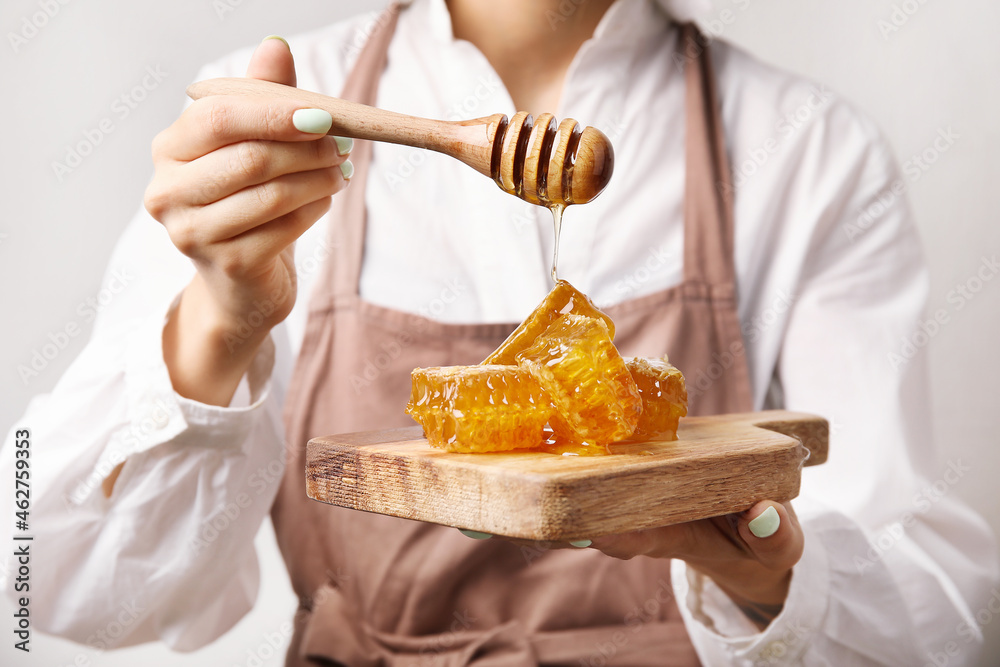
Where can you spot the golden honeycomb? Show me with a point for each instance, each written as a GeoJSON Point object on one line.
{"type": "Point", "coordinates": [664, 398]}
{"type": "Point", "coordinates": [559, 367]}
{"type": "Point", "coordinates": [563, 299]}
{"type": "Point", "coordinates": [478, 408]}
{"type": "Point", "coordinates": [594, 397]}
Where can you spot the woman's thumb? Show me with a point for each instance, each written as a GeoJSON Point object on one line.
{"type": "Point", "coordinates": [772, 532]}
{"type": "Point", "coordinates": [272, 61]}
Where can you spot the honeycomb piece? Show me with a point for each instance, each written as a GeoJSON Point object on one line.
{"type": "Point", "coordinates": [478, 408]}
{"type": "Point", "coordinates": [594, 397]}
{"type": "Point", "coordinates": [664, 398]}
{"type": "Point", "coordinates": [562, 300]}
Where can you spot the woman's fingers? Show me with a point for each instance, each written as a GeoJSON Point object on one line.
{"type": "Point", "coordinates": [533, 544]}
{"type": "Point", "coordinates": [260, 203]}
{"type": "Point", "coordinates": [768, 533]}
{"type": "Point", "coordinates": [664, 542]}
{"type": "Point", "coordinates": [251, 207]}
{"type": "Point", "coordinates": [475, 534]}
{"type": "Point", "coordinates": [272, 61]}
{"type": "Point", "coordinates": [220, 120]}
{"type": "Point", "coordinates": [772, 533]}
{"type": "Point", "coordinates": [237, 166]}
{"type": "Point", "coordinates": [243, 255]}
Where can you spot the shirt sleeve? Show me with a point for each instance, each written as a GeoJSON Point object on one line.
{"type": "Point", "coordinates": [896, 570]}
{"type": "Point", "coordinates": [172, 547]}
{"type": "Point", "coordinates": [169, 555]}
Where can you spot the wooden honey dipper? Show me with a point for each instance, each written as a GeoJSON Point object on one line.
{"type": "Point", "coordinates": [540, 161]}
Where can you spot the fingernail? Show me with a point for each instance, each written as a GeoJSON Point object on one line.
{"type": "Point", "coordinates": [474, 534]}
{"type": "Point", "coordinates": [581, 544]}
{"type": "Point", "coordinates": [313, 121]}
{"type": "Point", "coordinates": [347, 169]}
{"type": "Point", "coordinates": [766, 524]}
{"type": "Point", "coordinates": [344, 145]}
{"type": "Point", "coordinates": [278, 37]}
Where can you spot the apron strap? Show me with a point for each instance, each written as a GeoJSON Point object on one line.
{"type": "Point", "coordinates": [708, 207]}
{"type": "Point", "coordinates": [348, 214]}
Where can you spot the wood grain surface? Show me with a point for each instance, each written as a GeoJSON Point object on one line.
{"type": "Point", "coordinates": [718, 465]}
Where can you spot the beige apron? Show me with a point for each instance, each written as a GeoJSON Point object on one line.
{"type": "Point", "coordinates": [377, 590]}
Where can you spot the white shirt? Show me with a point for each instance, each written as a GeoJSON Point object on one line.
{"type": "Point", "coordinates": [895, 567]}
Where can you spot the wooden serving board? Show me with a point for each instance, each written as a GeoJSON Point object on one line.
{"type": "Point", "coordinates": [718, 465]}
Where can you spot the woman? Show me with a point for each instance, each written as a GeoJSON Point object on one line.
{"type": "Point", "coordinates": [420, 253]}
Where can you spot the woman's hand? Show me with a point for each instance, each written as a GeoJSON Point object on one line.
{"type": "Point", "coordinates": [750, 555]}
{"type": "Point", "coordinates": [238, 180]}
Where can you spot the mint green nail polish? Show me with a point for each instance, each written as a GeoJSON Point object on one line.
{"type": "Point", "coordinates": [278, 37]}
{"type": "Point", "coordinates": [347, 169]}
{"type": "Point", "coordinates": [313, 121]}
{"type": "Point", "coordinates": [766, 524]}
{"type": "Point", "coordinates": [474, 534]}
{"type": "Point", "coordinates": [581, 544]}
{"type": "Point", "coordinates": [344, 145]}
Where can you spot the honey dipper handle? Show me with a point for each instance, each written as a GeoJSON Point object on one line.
{"type": "Point", "coordinates": [470, 141]}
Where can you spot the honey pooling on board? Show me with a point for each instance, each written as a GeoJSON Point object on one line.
{"type": "Point", "coordinates": [664, 398]}
{"type": "Point", "coordinates": [594, 397]}
{"type": "Point", "coordinates": [563, 299]}
{"type": "Point", "coordinates": [478, 408]}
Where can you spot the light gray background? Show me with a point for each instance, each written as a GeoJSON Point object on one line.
{"type": "Point", "coordinates": [939, 70]}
